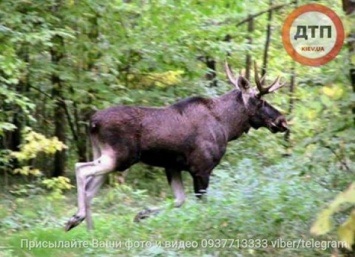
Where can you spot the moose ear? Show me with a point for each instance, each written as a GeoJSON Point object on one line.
{"type": "Point", "coordinates": [247, 91]}
{"type": "Point", "coordinates": [243, 85]}
{"type": "Point", "coordinates": [240, 83]}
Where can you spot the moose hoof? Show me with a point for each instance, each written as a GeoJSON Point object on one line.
{"type": "Point", "coordinates": [74, 221]}
{"type": "Point", "coordinates": [146, 213]}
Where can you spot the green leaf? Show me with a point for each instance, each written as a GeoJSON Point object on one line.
{"type": "Point", "coordinates": [322, 224]}
{"type": "Point", "coordinates": [346, 231]}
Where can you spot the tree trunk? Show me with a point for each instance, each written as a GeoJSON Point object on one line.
{"type": "Point", "coordinates": [81, 115]}
{"type": "Point", "coordinates": [59, 107]}
{"type": "Point", "coordinates": [211, 74]}
{"type": "Point", "coordinates": [250, 41]}
{"type": "Point", "coordinates": [13, 139]}
{"type": "Point", "coordinates": [349, 9]}
{"type": "Point", "coordinates": [267, 41]}
{"type": "Point", "coordinates": [291, 104]}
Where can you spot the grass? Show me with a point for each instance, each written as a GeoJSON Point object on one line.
{"type": "Point", "coordinates": [244, 213]}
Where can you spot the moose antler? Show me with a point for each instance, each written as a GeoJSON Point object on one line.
{"type": "Point", "coordinates": [230, 74]}
{"type": "Point", "coordinates": [239, 82]}
{"type": "Point", "coordinates": [259, 83]}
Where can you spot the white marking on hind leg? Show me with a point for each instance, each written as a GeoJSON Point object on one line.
{"type": "Point", "coordinates": [103, 165]}
{"type": "Point", "coordinates": [80, 184]}
{"type": "Point", "coordinates": [92, 187]}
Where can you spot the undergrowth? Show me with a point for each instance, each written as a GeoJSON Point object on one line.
{"type": "Point", "coordinates": [246, 204]}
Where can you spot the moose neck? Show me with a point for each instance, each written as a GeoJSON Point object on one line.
{"type": "Point", "coordinates": [230, 110]}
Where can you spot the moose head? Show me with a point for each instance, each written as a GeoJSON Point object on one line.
{"type": "Point", "coordinates": [259, 111]}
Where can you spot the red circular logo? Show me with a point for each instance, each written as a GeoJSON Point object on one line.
{"type": "Point", "coordinates": [313, 34]}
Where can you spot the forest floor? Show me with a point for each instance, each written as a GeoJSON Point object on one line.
{"type": "Point", "coordinates": [244, 214]}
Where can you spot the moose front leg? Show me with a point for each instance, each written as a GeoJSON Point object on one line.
{"type": "Point", "coordinates": [203, 162]}
{"type": "Point", "coordinates": [175, 181]}
{"type": "Point", "coordinates": [201, 184]}
{"type": "Point", "coordinates": [83, 172]}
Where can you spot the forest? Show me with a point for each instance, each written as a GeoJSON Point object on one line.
{"type": "Point", "coordinates": [272, 195]}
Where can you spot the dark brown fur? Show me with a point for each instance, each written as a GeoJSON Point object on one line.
{"type": "Point", "coordinates": [190, 135]}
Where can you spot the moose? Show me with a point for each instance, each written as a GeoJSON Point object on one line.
{"type": "Point", "coordinates": [190, 135]}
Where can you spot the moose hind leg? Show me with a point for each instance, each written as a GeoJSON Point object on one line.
{"type": "Point", "coordinates": [103, 165]}
{"type": "Point", "coordinates": [93, 185]}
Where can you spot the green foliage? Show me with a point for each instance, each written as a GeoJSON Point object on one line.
{"type": "Point", "coordinates": [6, 126]}
{"type": "Point", "coordinates": [35, 143]}
{"type": "Point", "coordinates": [253, 203]}
{"type": "Point", "coordinates": [19, 102]}
{"type": "Point", "coordinates": [160, 80]}
{"type": "Point", "coordinates": [153, 53]}
{"type": "Point", "coordinates": [57, 186]}
{"type": "Point", "coordinates": [27, 170]}
{"type": "Point", "coordinates": [346, 231]}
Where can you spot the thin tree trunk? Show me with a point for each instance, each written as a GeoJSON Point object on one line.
{"type": "Point", "coordinates": [211, 74]}
{"type": "Point", "coordinates": [18, 119]}
{"type": "Point", "coordinates": [81, 131]}
{"type": "Point", "coordinates": [83, 114]}
{"type": "Point", "coordinates": [349, 9]}
{"type": "Point", "coordinates": [59, 108]}
{"type": "Point", "coordinates": [291, 104]}
{"type": "Point", "coordinates": [352, 76]}
{"type": "Point", "coordinates": [267, 41]}
{"type": "Point", "coordinates": [13, 138]}
{"type": "Point", "coordinates": [250, 41]}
